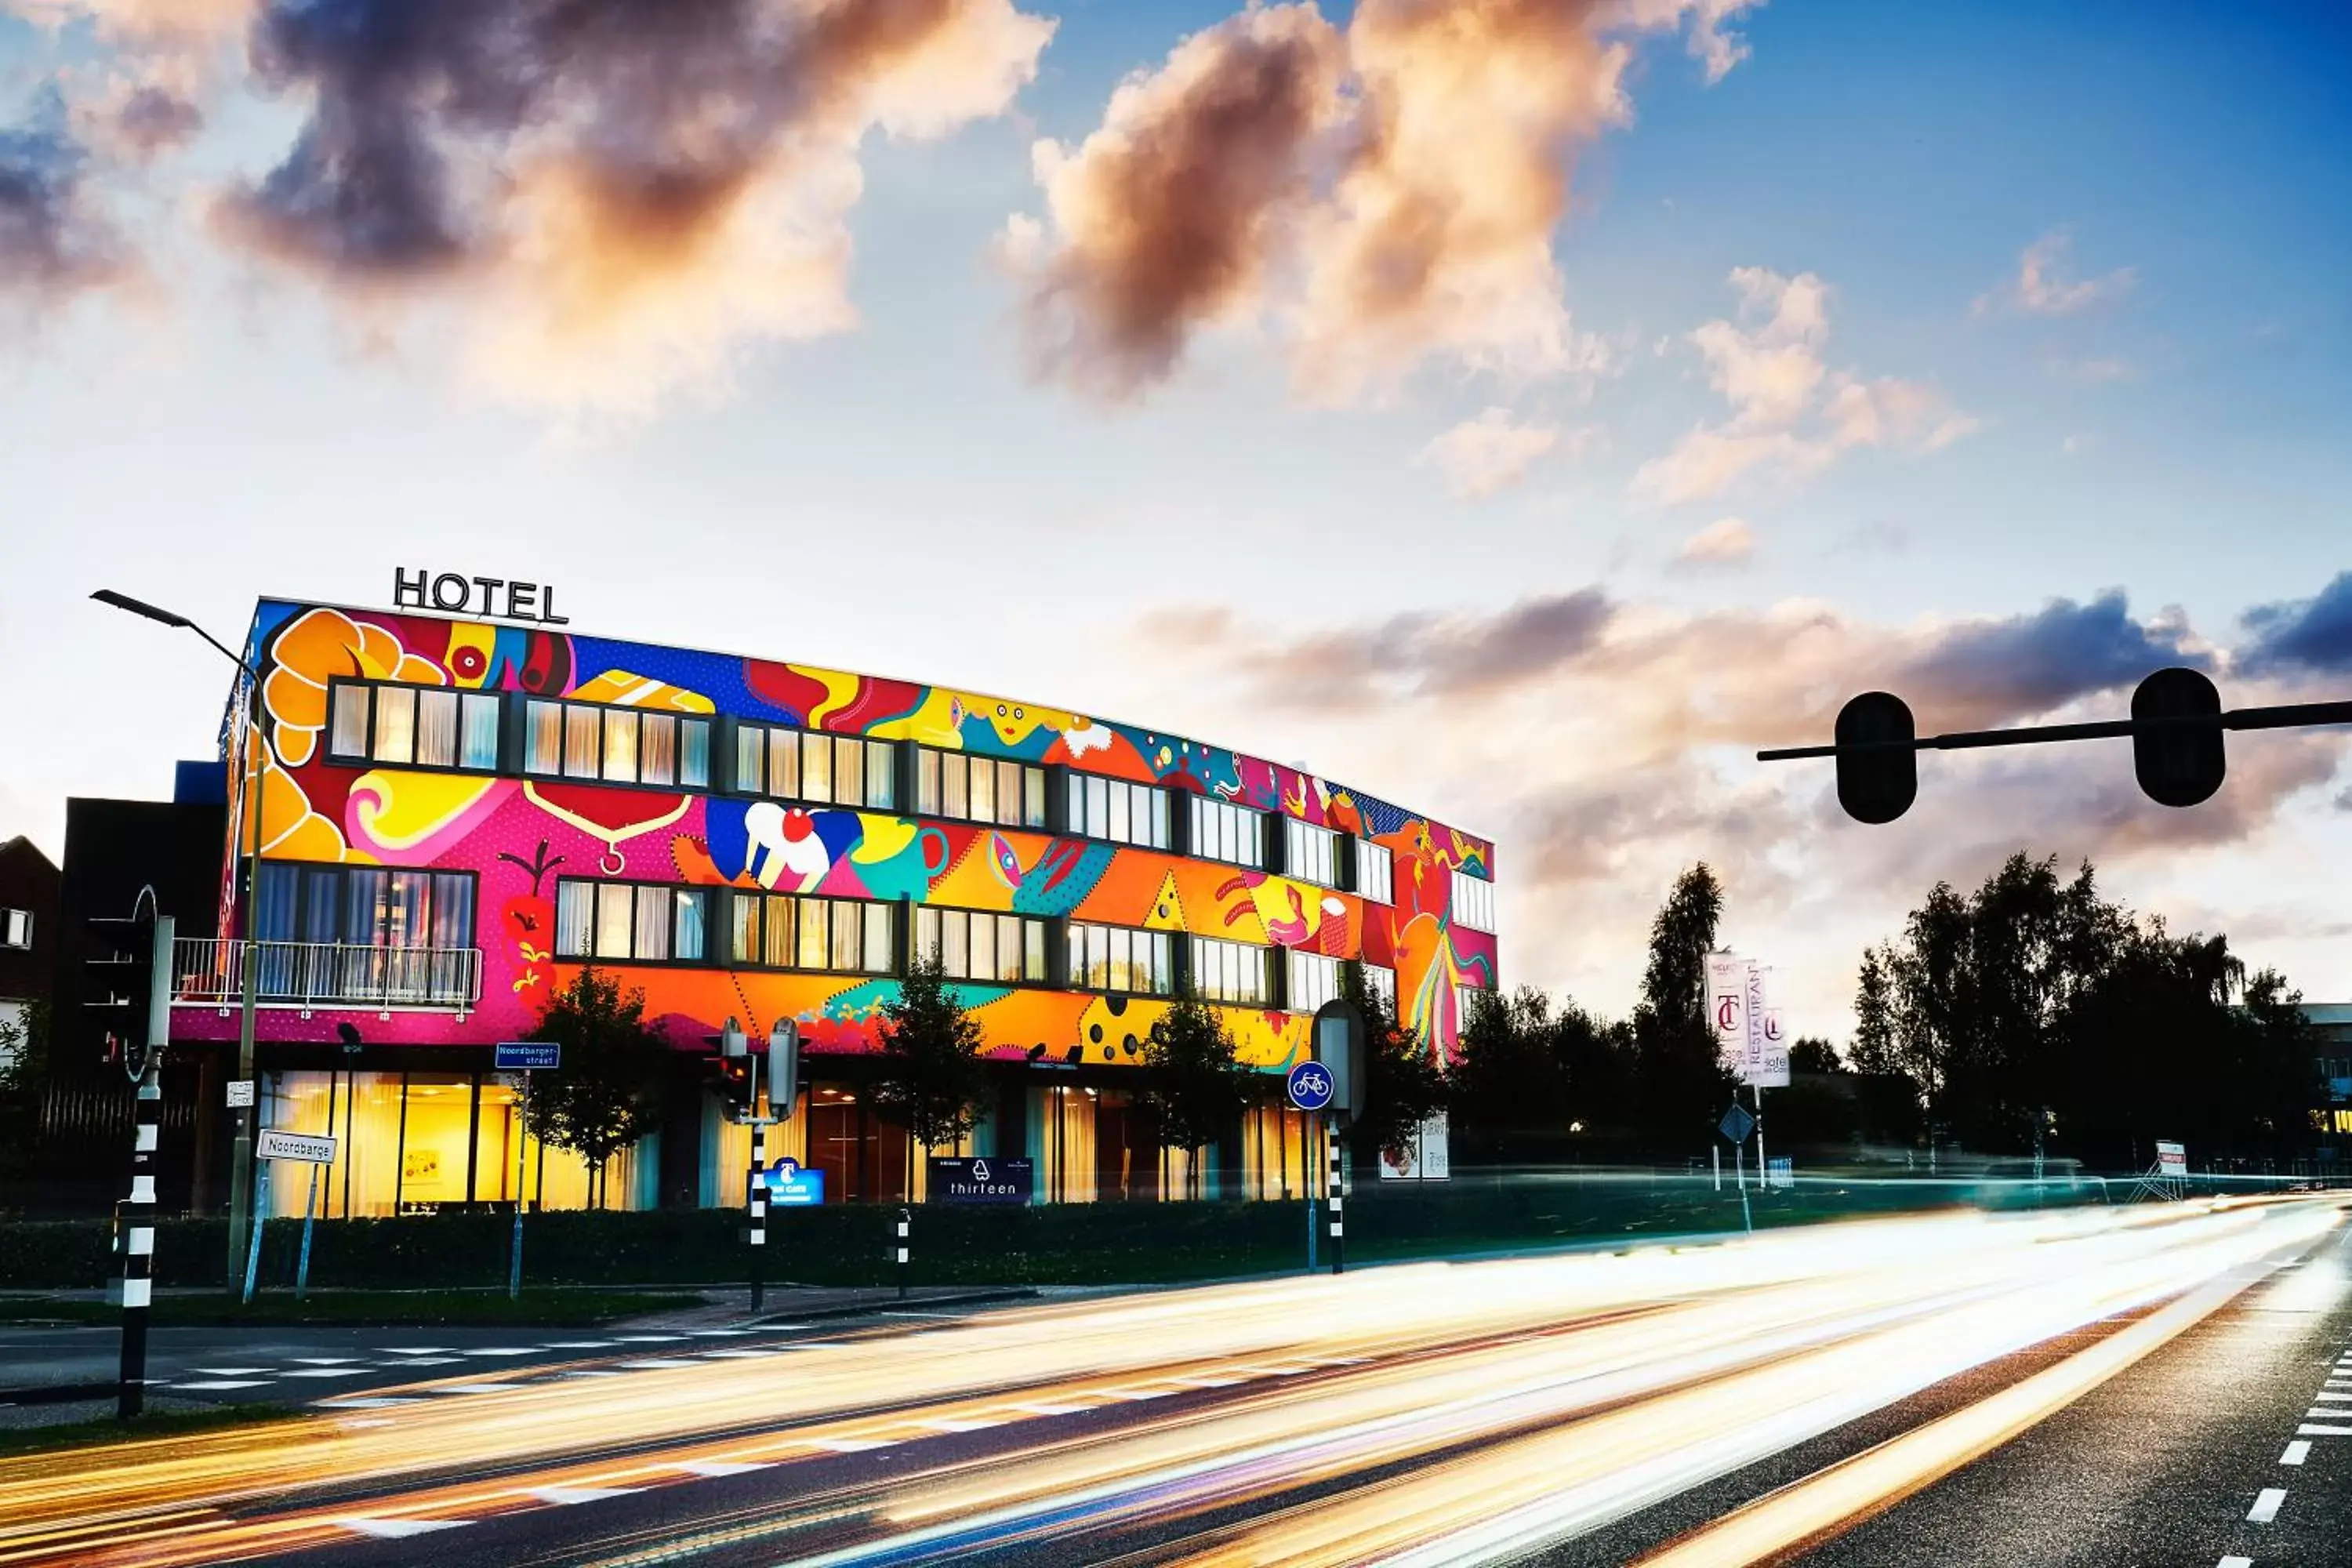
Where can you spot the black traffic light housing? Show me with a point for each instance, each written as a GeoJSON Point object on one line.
{"type": "Point", "coordinates": [2182, 762]}
{"type": "Point", "coordinates": [1878, 782]}
{"type": "Point", "coordinates": [127, 984]}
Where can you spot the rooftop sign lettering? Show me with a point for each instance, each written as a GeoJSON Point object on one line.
{"type": "Point", "coordinates": [504, 598]}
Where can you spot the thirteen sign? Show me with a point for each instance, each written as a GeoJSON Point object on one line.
{"type": "Point", "coordinates": [982, 1179]}
{"type": "Point", "coordinates": [297, 1146]}
{"type": "Point", "coordinates": [527, 1056]}
{"type": "Point", "coordinates": [1310, 1085]}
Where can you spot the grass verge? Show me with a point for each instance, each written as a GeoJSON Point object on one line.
{"type": "Point", "coordinates": [16, 1441]}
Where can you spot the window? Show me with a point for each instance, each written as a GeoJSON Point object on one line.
{"type": "Point", "coordinates": [631, 921]}
{"type": "Point", "coordinates": [1310, 853]}
{"type": "Point", "coordinates": [413, 726]}
{"type": "Point", "coordinates": [614, 745]}
{"type": "Point", "coordinates": [1004, 949]}
{"type": "Point", "coordinates": [1314, 980]}
{"type": "Point", "coordinates": [1375, 872]}
{"type": "Point", "coordinates": [1121, 812]}
{"type": "Point", "coordinates": [779, 930]}
{"type": "Point", "coordinates": [1380, 983]}
{"type": "Point", "coordinates": [355, 906]}
{"type": "Point", "coordinates": [1222, 831]}
{"type": "Point", "coordinates": [15, 928]}
{"type": "Point", "coordinates": [1467, 1003]}
{"type": "Point", "coordinates": [1474, 901]}
{"type": "Point", "coordinates": [1113, 957]}
{"type": "Point", "coordinates": [979, 789]}
{"type": "Point", "coordinates": [828, 770]}
{"type": "Point", "coordinates": [1229, 972]}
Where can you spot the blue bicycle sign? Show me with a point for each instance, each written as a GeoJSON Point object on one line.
{"type": "Point", "coordinates": [1310, 1085]}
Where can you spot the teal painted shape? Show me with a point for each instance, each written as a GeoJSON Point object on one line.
{"type": "Point", "coordinates": [1063, 876]}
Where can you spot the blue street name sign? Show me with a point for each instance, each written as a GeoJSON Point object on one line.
{"type": "Point", "coordinates": [983, 1180]}
{"type": "Point", "coordinates": [525, 1056]}
{"type": "Point", "coordinates": [790, 1187]}
{"type": "Point", "coordinates": [1310, 1085]}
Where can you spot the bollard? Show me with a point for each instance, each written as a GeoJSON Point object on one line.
{"type": "Point", "coordinates": [139, 1247]}
{"type": "Point", "coordinates": [903, 1217]}
{"type": "Point", "coordinates": [1334, 1185]}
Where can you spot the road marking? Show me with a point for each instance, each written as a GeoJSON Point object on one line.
{"type": "Point", "coordinates": [505, 1349]}
{"type": "Point", "coordinates": [2309, 1430]}
{"type": "Point", "coordinates": [2324, 1394]}
{"type": "Point", "coordinates": [359, 1402]}
{"type": "Point", "coordinates": [726, 1466]}
{"type": "Point", "coordinates": [2266, 1505]}
{"type": "Point", "coordinates": [398, 1529]}
{"type": "Point", "coordinates": [736, 1355]}
{"type": "Point", "coordinates": [716, 1333]}
{"type": "Point", "coordinates": [578, 1344]}
{"type": "Point", "coordinates": [228, 1382]}
{"type": "Point", "coordinates": [1209, 1382]}
{"type": "Point", "coordinates": [472, 1387]}
{"type": "Point", "coordinates": [419, 1350]}
{"type": "Point", "coordinates": [2237, 1562]}
{"type": "Point", "coordinates": [565, 1497]}
{"type": "Point", "coordinates": [423, 1361]}
{"type": "Point", "coordinates": [2297, 1452]}
{"type": "Point", "coordinates": [851, 1445]}
{"type": "Point", "coordinates": [648, 1338]}
{"type": "Point", "coordinates": [588, 1372]}
{"type": "Point", "coordinates": [2326, 1413]}
{"type": "Point", "coordinates": [228, 1371]}
{"type": "Point", "coordinates": [959, 1426]}
{"type": "Point", "coordinates": [324, 1359]}
{"type": "Point", "coordinates": [1128, 1393]}
{"type": "Point", "coordinates": [1050, 1409]}
{"type": "Point", "coordinates": [326, 1372]}
{"type": "Point", "coordinates": [655, 1364]}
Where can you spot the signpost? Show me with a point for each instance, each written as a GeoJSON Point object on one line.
{"type": "Point", "coordinates": [1309, 1087]}
{"type": "Point", "coordinates": [240, 1094]}
{"type": "Point", "coordinates": [2171, 1160]}
{"type": "Point", "coordinates": [525, 1057]}
{"type": "Point", "coordinates": [1736, 1125]}
{"type": "Point", "coordinates": [303, 1149]}
{"type": "Point", "coordinates": [1339, 1053]}
{"type": "Point", "coordinates": [983, 1180]}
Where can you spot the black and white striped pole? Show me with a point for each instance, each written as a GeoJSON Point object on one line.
{"type": "Point", "coordinates": [139, 1212]}
{"type": "Point", "coordinates": [759, 1203]}
{"type": "Point", "coordinates": [905, 1219]}
{"type": "Point", "coordinates": [1334, 1185]}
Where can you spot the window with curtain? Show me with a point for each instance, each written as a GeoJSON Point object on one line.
{"type": "Point", "coordinates": [1224, 831]}
{"type": "Point", "coordinates": [973, 944]}
{"type": "Point", "coordinates": [637, 922]}
{"type": "Point", "coordinates": [1230, 972]}
{"type": "Point", "coordinates": [1310, 853]}
{"type": "Point", "coordinates": [1375, 872]}
{"type": "Point", "coordinates": [979, 789]}
{"type": "Point", "coordinates": [413, 726]}
{"type": "Point", "coordinates": [1118, 811]}
{"type": "Point", "coordinates": [370, 933]}
{"type": "Point", "coordinates": [818, 769]}
{"type": "Point", "coordinates": [1118, 959]}
{"type": "Point", "coordinates": [785, 931]}
{"type": "Point", "coordinates": [1314, 980]}
{"type": "Point", "coordinates": [1473, 902]}
{"type": "Point", "coordinates": [616, 745]}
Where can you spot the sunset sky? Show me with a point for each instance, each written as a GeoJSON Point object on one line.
{"type": "Point", "coordinates": [1521, 409]}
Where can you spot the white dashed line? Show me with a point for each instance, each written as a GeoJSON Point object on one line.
{"type": "Point", "coordinates": [323, 1360]}
{"type": "Point", "coordinates": [656, 1364]}
{"type": "Point", "coordinates": [474, 1387]}
{"type": "Point", "coordinates": [1050, 1409]}
{"type": "Point", "coordinates": [2325, 1397]}
{"type": "Point", "coordinates": [398, 1529]}
{"type": "Point", "coordinates": [2266, 1505]}
{"type": "Point", "coordinates": [566, 1497]}
{"type": "Point", "coordinates": [648, 1338]}
{"type": "Point", "coordinates": [850, 1444]}
{"type": "Point", "coordinates": [724, 1466]}
{"type": "Point", "coordinates": [359, 1402]}
{"type": "Point", "coordinates": [505, 1349]}
{"type": "Point", "coordinates": [1128, 1393]}
{"type": "Point", "coordinates": [423, 1361]}
{"type": "Point", "coordinates": [419, 1350]}
{"type": "Point", "coordinates": [736, 1355]}
{"type": "Point", "coordinates": [578, 1344]}
{"type": "Point", "coordinates": [228, 1371]}
{"type": "Point", "coordinates": [957, 1425]}
{"type": "Point", "coordinates": [590, 1372]}
{"type": "Point", "coordinates": [326, 1372]}
{"type": "Point", "coordinates": [2237, 1562]}
{"type": "Point", "coordinates": [1208, 1381]}
{"type": "Point", "coordinates": [716, 1333]}
{"type": "Point", "coordinates": [223, 1384]}
{"type": "Point", "coordinates": [2309, 1430]}
{"type": "Point", "coordinates": [2297, 1452]}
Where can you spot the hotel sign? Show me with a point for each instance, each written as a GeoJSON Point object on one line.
{"type": "Point", "coordinates": [504, 598]}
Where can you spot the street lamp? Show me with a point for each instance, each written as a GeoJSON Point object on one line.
{"type": "Point", "coordinates": [240, 1180]}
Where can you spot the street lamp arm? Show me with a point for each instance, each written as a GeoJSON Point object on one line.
{"type": "Point", "coordinates": [176, 621]}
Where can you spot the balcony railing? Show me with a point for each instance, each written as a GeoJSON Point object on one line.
{"type": "Point", "coordinates": [209, 972]}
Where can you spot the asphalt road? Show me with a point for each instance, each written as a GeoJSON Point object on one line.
{"type": "Point", "coordinates": [2095, 1390]}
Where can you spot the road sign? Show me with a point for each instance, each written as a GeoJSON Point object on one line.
{"type": "Point", "coordinates": [297, 1146]}
{"type": "Point", "coordinates": [527, 1056]}
{"type": "Point", "coordinates": [1309, 1086]}
{"type": "Point", "coordinates": [240, 1093]}
{"type": "Point", "coordinates": [2171, 1159]}
{"type": "Point", "coordinates": [790, 1187]}
{"type": "Point", "coordinates": [983, 1180]}
{"type": "Point", "coordinates": [1737, 1123]}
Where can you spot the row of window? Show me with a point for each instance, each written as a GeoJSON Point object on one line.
{"type": "Point", "coordinates": [973, 946]}
{"type": "Point", "coordinates": [654, 924]}
{"type": "Point", "coordinates": [431, 727]}
{"type": "Point", "coordinates": [355, 906]}
{"type": "Point", "coordinates": [827, 770]}
{"type": "Point", "coordinates": [979, 789]}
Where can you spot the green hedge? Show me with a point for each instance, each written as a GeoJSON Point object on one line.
{"type": "Point", "coordinates": [1074, 1244]}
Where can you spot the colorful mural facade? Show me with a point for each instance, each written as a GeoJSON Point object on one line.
{"type": "Point", "coordinates": [519, 834]}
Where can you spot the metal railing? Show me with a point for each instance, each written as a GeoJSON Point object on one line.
{"type": "Point", "coordinates": [209, 972]}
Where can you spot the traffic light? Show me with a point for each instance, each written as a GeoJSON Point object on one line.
{"type": "Point", "coordinates": [127, 984]}
{"type": "Point", "coordinates": [2180, 762]}
{"type": "Point", "coordinates": [784, 1069]}
{"type": "Point", "coordinates": [735, 1075]}
{"type": "Point", "coordinates": [1876, 785]}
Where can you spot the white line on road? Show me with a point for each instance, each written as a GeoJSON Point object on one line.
{"type": "Point", "coordinates": [2266, 1505]}
{"type": "Point", "coordinates": [472, 1387]}
{"type": "Point", "coordinates": [423, 1361]}
{"type": "Point", "coordinates": [2297, 1452]}
{"type": "Point", "coordinates": [324, 1359]}
{"type": "Point", "coordinates": [564, 1497]}
{"type": "Point", "coordinates": [2237, 1562]}
{"type": "Point", "coordinates": [327, 1372]}
{"type": "Point", "coordinates": [851, 1445]}
{"type": "Point", "coordinates": [226, 1383]}
{"type": "Point", "coordinates": [1051, 1409]}
{"type": "Point", "coordinates": [397, 1529]}
{"type": "Point", "coordinates": [419, 1350]}
{"type": "Point", "coordinates": [656, 1364]}
{"type": "Point", "coordinates": [504, 1350]}
{"type": "Point", "coordinates": [725, 1467]}
{"type": "Point", "coordinates": [228, 1371]}
{"type": "Point", "coordinates": [648, 1338]}
{"type": "Point", "coordinates": [2309, 1430]}
{"type": "Point", "coordinates": [957, 1425]}
{"type": "Point", "coordinates": [578, 1344]}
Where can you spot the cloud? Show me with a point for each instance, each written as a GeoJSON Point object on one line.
{"type": "Point", "coordinates": [1792, 415]}
{"type": "Point", "coordinates": [144, 22]}
{"type": "Point", "coordinates": [1726, 542]}
{"type": "Point", "coordinates": [2312, 635]}
{"type": "Point", "coordinates": [1384, 197]}
{"type": "Point", "coordinates": [624, 197]}
{"type": "Point", "coordinates": [2039, 289]}
{"type": "Point", "coordinates": [55, 241]}
{"type": "Point", "coordinates": [1484, 457]}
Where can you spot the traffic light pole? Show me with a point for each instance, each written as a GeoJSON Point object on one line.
{"type": "Point", "coordinates": [138, 1243]}
{"type": "Point", "coordinates": [240, 1170]}
{"type": "Point", "coordinates": [758, 1234]}
{"type": "Point", "coordinates": [2286, 716]}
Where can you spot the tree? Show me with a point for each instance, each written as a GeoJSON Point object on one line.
{"type": "Point", "coordinates": [931, 1081]}
{"type": "Point", "coordinates": [1404, 1084]}
{"type": "Point", "coordinates": [1683, 1086]}
{"type": "Point", "coordinates": [25, 1068]}
{"type": "Point", "coordinates": [1196, 1087]}
{"type": "Point", "coordinates": [1814, 1054]}
{"type": "Point", "coordinates": [608, 1092]}
{"type": "Point", "coordinates": [1511, 1087]}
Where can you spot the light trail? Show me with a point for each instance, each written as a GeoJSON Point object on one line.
{"type": "Point", "coordinates": [1513, 1402]}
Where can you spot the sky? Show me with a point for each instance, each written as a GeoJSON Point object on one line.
{"type": "Point", "coordinates": [1521, 409]}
